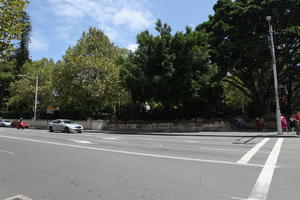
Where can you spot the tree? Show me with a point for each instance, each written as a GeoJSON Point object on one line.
{"type": "Point", "coordinates": [11, 12]}
{"type": "Point", "coordinates": [22, 52]}
{"type": "Point", "coordinates": [7, 75]}
{"type": "Point", "coordinates": [243, 59]}
{"type": "Point", "coordinates": [173, 71]}
{"type": "Point", "coordinates": [87, 79]}
{"type": "Point", "coordinates": [22, 90]}
{"type": "Point", "coordinates": [236, 102]}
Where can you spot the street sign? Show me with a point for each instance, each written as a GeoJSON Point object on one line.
{"type": "Point", "coordinates": [50, 109]}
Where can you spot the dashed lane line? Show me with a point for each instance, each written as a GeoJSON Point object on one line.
{"type": "Point", "coordinates": [109, 138]}
{"type": "Point", "coordinates": [8, 152]}
{"type": "Point", "coordinates": [80, 141]}
{"type": "Point", "coordinates": [133, 153]}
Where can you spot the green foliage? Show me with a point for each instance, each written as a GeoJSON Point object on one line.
{"type": "Point", "coordinates": [22, 52]}
{"type": "Point", "coordinates": [16, 114]}
{"type": "Point", "coordinates": [88, 77]}
{"type": "Point", "coordinates": [235, 99]}
{"type": "Point", "coordinates": [7, 71]}
{"type": "Point", "coordinates": [22, 91]}
{"type": "Point", "coordinates": [11, 12]}
{"type": "Point", "coordinates": [174, 71]}
{"type": "Point", "coordinates": [241, 56]}
{"type": "Point", "coordinates": [222, 66]}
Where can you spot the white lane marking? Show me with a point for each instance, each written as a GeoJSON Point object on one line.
{"type": "Point", "coordinates": [192, 141]}
{"type": "Point", "coordinates": [19, 197]}
{"type": "Point", "coordinates": [262, 185]}
{"type": "Point", "coordinates": [110, 138]}
{"type": "Point", "coordinates": [196, 141]}
{"type": "Point", "coordinates": [233, 150]}
{"type": "Point", "coordinates": [80, 141]}
{"type": "Point", "coordinates": [134, 153]}
{"type": "Point", "coordinates": [6, 151]}
{"type": "Point", "coordinates": [237, 198]}
{"type": "Point", "coordinates": [247, 157]}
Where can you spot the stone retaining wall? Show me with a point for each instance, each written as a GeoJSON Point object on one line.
{"type": "Point", "coordinates": [87, 124]}
{"type": "Point", "coordinates": [175, 126]}
{"type": "Point", "coordinates": [169, 126]}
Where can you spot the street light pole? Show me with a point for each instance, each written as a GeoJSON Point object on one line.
{"type": "Point", "coordinates": [36, 95]}
{"type": "Point", "coordinates": [36, 92]}
{"type": "Point", "coordinates": [272, 48]}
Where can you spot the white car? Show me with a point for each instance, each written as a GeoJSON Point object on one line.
{"type": "Point", "coordinates": [5, 123]}
{"type": "Point", "coordinates": [64, 125]}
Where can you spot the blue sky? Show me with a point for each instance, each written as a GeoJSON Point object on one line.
{"type": "Point", "coordinates": [58, 24]}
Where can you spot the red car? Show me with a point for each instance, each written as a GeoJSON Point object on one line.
{"type": "Point", "coordinates": [18, 125]}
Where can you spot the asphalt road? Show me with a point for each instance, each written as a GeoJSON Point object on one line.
{"type": "Point", "coordinates": [89, 166]}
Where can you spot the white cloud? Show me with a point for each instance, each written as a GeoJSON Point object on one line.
{"type": "Point", "coordinates": [136, 19]}
{"type": "Point", "coordinates": [132, 47]}
{"type": "Point", "coordinates": [38, 44]}
{"type": "Point", "coordinates": [132, 14]}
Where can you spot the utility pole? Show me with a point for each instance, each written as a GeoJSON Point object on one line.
{"type": "Point", "coordinates": [36, 92]}
{"type": "Point", "coordinates": [272, 48]}
{"type": "Point", "coordinates": [36, 95]}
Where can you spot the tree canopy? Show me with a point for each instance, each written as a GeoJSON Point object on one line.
{"type": "Point", "coordinates": [243, 58]}
{"type": "Point", "coordinates": [88, 77]}
{"type": "Point", "coordinates": [22, 90]}
{"type": "Point", "coordinates": [11, 28]}
{"type": "Point", "coordinates": [221, 68]}
{"type": "Point", "coordinates": [173, 71]}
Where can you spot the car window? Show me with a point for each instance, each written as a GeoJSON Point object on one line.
{"type": "Point", "coordinates": [6, 121]}
{"type": "Point", "coordinates": [68, 122]}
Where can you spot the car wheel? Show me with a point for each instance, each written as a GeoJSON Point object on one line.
{"type": "Point", "coordinates": [50, 129]}
{"type": "Point", "coordinates": [67, 130]}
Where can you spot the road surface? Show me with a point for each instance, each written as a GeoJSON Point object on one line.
{"type": "Point", "coordinates": [57, 166]}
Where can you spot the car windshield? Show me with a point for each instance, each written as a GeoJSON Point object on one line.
{"type": "Point", "coordinates": [6, 121]}
{"type": "Point", "coordinates": [68, 122]}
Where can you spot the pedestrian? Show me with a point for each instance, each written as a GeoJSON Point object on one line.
{"type": "Point", "coordinates": [296, 122]}
{"type": "Point", "coordinates": [242, 123]}
{"type": "Point", "coordinates": [258, 124]}
{"type": "Point", "coordinates": [284, 123]}
{"type": "Point", "coordinates": [20, 123]}
{"type": "Point", "coordinates": [237, 122]}
{"type": "Point", "coordinates": [292, 123]}
{"type": "Point", "coordinates": [297, 116]}
{"type": "Point", "coordinates": [262, 124]}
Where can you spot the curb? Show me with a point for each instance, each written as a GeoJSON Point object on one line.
{"type": "Point", "coordinates": [204, 134]}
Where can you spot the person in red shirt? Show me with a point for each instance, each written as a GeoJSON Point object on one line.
{"type": "Point", "coordinates": [296, 122]}
{"type": "Point", "coordinates": [297, 116]}
{"type": "Point", "coordinates": [284, 123]}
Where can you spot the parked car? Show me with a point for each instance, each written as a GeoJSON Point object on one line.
{"type": "Point", "coordinates": [5, 123]}
{"type": "Point", "coordinates": [17, 124]}
{"type": "Point", "coordinates": [64, 125]}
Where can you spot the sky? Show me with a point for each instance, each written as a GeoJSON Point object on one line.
{"type": "Point", "coordinates": [59, 24]}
